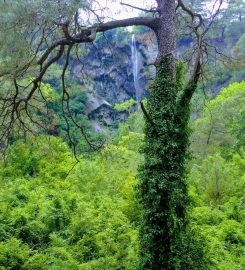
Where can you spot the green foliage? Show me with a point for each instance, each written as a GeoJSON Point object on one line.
{"type": "Point", "coordinates": [13, 254]}
{"type": "Point", "coordinates": [29, 158]}
{"type": "Point", "coordinates": [165, 239]}
{"type": "Point", "coordinates": [125, 106]}
{"type": "Point", "coordinates": [22, 23]}
{"type": "Point", "coordinates": [222, 122]}
{"type": "Point", "coordinates": [217, 179]}
{"type": "Point", "coordinates": [239, 48]}
{"type": "Point", "coordinates": [55, 215]}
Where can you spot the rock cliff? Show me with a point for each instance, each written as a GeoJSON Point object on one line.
{"type": "Point", "coordinates": [108, 73]}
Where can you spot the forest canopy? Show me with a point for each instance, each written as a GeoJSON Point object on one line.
{"type": "Point", "coordinates": [88, 218]}
{"type": "Point", "coordinates": [122, 139]}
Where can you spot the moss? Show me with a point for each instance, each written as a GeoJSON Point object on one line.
{"type": "Point", "coordinates": [163, 187]}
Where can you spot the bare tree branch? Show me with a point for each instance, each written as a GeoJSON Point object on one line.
{"type": "Point", "coordinates": [200, 52]}
{"type": "Point", "coordinates": [191, 13]}
{"type": "Point", "coordinates": [148, 117]}
{"type": "Point", "coordinates": [66, 108]}
{"type": "Point", "coordinates": [141, 9]}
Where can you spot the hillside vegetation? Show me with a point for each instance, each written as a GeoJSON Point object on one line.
{"type": "Point", "coordinates": [57, 213]}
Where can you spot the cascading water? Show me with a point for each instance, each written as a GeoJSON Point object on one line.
{"type": "Point", "coordinates": [135, 61]}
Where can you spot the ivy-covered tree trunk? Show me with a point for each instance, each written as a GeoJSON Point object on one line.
{"type": "Point", "coordinates": [162, 177]}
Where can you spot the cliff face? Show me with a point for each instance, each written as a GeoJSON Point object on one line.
{"type": "Point", "coordinates": [107, 70]}
{"type": "Point", "coordinates": [108, 74]}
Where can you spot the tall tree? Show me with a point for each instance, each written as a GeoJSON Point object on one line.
{"type": "Point", "coordinates": [162, 185]}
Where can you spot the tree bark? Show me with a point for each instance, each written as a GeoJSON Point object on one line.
{"type": "Point", "coordinates": [162, 185]}
{"type": "Point", "coordinates": [165, 28]}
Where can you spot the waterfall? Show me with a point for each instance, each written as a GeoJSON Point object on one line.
{"type": "Point", "coordinates": [135, 62]}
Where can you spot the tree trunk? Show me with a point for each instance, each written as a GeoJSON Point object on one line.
{"type": "Point", "coordinates": [162, 177]}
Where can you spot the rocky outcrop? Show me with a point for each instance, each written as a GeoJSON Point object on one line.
{"type": "Point", "coordinates": [98, 109]}
{"type": "Point", "coordinates": [111, 69]}
{"type": "Point", "coordinates": [107, 73]}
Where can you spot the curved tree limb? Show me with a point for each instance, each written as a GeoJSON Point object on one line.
{"type": "Point", "coordinates": [146, 114]}
{"type": "Point", "coordinates": [201, 51]}
{"type": "Point", "coordinates": [15, 104]}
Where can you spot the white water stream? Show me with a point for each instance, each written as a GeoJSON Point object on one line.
{"type": "Point", "coordinates": [135, 61]}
